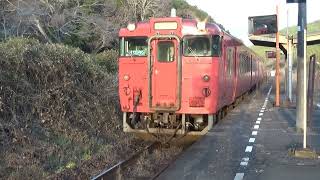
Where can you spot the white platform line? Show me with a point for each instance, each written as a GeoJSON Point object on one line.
{"type": "Point", "coordinates": [243, 163]}
{"type": "Point", "coordinates": [246, 159]}
{"type": "Point", "coordinates": [239, 176]}
{"type": "Point", "coordinates": [248, 149]}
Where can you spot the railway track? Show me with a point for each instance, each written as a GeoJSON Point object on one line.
{"type": "Point", "coordinates": [117, 171]}
{"type": "Point", "coordinates": [122, 170]}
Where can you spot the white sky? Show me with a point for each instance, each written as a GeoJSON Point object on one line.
{"type": "Point", "coordinates": [233, 14]}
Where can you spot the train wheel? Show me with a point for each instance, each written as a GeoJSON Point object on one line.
{"type": "Point", "coordinates": [233, 105]}
{"type": "Point", "coordinates": [218, 116]}
{"type": "Point", "coordinates": [224, 112]}
{"type": "Point", "coordinates": [221, 112]}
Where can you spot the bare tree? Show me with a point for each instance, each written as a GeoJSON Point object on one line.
{"type": "Point", "coordinates": [89, 24]}
{"type": "Point", "coordinates": [144, 9]}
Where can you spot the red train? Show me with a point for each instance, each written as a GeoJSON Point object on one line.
{"type": "Point", "coordinates": [177, 75]}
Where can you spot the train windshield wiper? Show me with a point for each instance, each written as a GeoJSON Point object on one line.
{"type": "Point", "coordinates": [192, 52]}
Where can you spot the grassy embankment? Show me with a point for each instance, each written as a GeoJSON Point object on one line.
{"type": "Point", "coordinates": [58, 109]}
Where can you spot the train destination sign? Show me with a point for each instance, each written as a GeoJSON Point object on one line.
{"type": "Point", "coordinates": [259, 25]}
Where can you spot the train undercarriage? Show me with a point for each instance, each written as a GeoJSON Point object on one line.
{"type": "Point", "coordinates": [168, 123]}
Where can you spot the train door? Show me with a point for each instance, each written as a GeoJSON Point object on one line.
{"type": "Point", "coordinates": [164, 73]}
{"type": "Point", "coordinates": [222, 74]}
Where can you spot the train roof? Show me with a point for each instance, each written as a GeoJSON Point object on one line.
{"type": "Point", "coordinates": [186, 26]}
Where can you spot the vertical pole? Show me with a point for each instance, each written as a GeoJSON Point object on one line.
{"type": "Point", "coordinates": [312, 65]}
{"type": "Point", "coordinates": [290, 50]}
{"type": "Point", "coordinates": [305, 112]}
{"type": "Point", "coordinates": [277, 63]}
{"type": "Point", "coordinates": [301, 73]}
{"type": "Point", "coordinates": [287, 60]}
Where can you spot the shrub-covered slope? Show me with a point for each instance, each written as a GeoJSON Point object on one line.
{"type": "Point", "coordinates": [58, 109]}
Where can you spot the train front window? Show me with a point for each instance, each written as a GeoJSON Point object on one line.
{"type": "Point", "coordinates": [197, 46]}
{"type": "Point", "coordinates": [135, 46]}
{"type": "Point", "coordinates": [202, 46]}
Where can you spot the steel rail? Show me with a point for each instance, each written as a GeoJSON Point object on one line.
{"type": "Point", "coordinates": [115, 172]}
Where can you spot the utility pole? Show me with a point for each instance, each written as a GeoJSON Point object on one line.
{"type": "Point", "coordinates": [287, 62]}
{"type": "Point", "coordinates": [301, 121]}
{"type": "Point", "coordinates": [277, 62]}
{"type": "Point", "coordinates": [290, 50]}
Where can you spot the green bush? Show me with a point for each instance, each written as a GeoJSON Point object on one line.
{"type": "Point", "coordinates": [56, 105]}
{"type": "Point", "coordinates": [108, 60]}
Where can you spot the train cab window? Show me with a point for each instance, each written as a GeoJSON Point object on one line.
{"type": "Point", "coordinates": [165, 51]}
{"type": "Point", "coordinates": [135, 46]}
{"type": "Point", "coordinates": [197, 46]}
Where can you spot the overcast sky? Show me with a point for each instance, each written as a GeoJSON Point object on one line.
{"type": "Point", "coordinates": [233, 14]}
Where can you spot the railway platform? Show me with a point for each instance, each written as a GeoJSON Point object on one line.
{"type": "Point", "coordinates": [252, 142]}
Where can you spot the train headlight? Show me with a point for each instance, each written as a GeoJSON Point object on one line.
{"type": "Point", "coordinates": [131, 26]}
{"type": "Point", "coordinates": [206, 92]}
{"type": "Point", "coordinates": [126, 77]}
{"type": "Point", "coordinates": [206, 78]}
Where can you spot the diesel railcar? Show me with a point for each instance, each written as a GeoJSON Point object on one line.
{"type": "Point", "coordinates": [176, 76]}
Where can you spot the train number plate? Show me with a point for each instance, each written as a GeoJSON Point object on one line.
{"type": "Point", "coordinates": [196, 101]}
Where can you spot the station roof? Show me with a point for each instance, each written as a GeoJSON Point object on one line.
{"type": "Point", "coordinates": [270, 40]}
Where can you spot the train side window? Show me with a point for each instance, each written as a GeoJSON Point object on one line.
{"type": "Point", "coordinates": [121, 50]}
{"type": "Point", "coordinates": [247, 64]}
{"type": "Point", "coordinates": [230, 57]}
{"type": "Point", "coordinates": [216, 46]}
{"type": "Point", "coordinates": [165, 51]}
{"type": "Point", "coordinates": [241, 66]}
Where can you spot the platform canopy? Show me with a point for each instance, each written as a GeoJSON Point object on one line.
{"type": "Point", "coordinates": [269, 40]}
